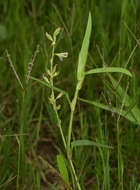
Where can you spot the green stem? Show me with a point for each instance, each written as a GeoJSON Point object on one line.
{"type": "Point", "coordinates": [18, 172]}
{"type": "Point", "coordinates": [74, 173]}
{"type": "Point", "coordinates": [73, 105]}
{"type": "Point", "coordinates": [21, 154]}
{"type": "Point", "coordinates": [69, 137]}
{"type": "Point", "coordinates": [54, 100]}
{"type": "Point", "coordinates": [120, 161]}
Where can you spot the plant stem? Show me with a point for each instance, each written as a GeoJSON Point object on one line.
{"type": "Point", "coordinates": [74, 173]}
{"type": "Point", "coordinates": [73, 105]}
{"type": "Point", "coordinates": [59, 125]}
{"type": "Point", "coordinates": [21, 155]}
{"type": "Point", "coordinates": [120, 161]}
{"type": "Point", "coordinates": [18, 172]}
{"type": "Point", "coordinates": [54, 100]}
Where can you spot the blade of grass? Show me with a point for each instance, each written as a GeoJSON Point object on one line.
{"type": "Point", "coordinates": [88, 143]}
{"type": "Point", "coordinates": [84, 51]}
{"type": "Point", "coordinates": [109, 70]}
{"type": "Point", "coordinates": [80, 76]}
{"type": "Point", "coordinates": [128, 116]}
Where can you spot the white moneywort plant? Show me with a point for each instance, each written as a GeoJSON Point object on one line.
{"type": "Point", "coordinates": [51, 73]}
{"type": "Point", "coordinates": [49, 79]}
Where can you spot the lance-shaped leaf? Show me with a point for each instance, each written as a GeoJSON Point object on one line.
{"type": "Point", "coordinates": [62, 168]}
{"type": "Point", "coordinates": [109, 70]}
{"type": "Point", "coordinates": [84, 51]}
{"type": "Point", "coordinates": [86, 142]}
{"type": "Point", "coordinates": [125, 114]}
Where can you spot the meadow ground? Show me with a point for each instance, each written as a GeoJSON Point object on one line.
{"type": "Point", "coordinates": [58, 133]}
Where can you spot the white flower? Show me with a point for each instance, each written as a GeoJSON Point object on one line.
{"type": "Point", "coordinates": [62, 55]}
{"type": "Point", "coordinates": [49, 36]}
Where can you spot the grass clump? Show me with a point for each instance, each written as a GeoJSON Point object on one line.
{"type": "Point", "coordinates": [76, 126]}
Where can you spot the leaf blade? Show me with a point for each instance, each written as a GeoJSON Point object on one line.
{"type": "Point", "coordinates": [87, 142]}
{"type": "Point", "coordinates": [62, 168]}
{"type": "Point", "coordinates": [126, 115]}
{"type": "Point", "coordinates": [109, 70]}
{"type": "Point", "coordinates": [84, 50]}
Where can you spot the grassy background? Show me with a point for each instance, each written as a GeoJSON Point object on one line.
{"type": "Point", "coordinates": [115, 33]}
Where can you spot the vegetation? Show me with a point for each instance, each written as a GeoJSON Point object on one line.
{"type": "Point", "coordinates": [69, 101]}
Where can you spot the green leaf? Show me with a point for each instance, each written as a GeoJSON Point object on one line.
{"type": "Point", "coordinates": [84, 50]}
{"type": "Point", "coordinates": [109, 70]}
{"type": "Point", "coordinates": [62, 168]}
{"type": "Point", "coordinates": [125, 114]}
{"type": "Point", "coordinates": [88, 143]}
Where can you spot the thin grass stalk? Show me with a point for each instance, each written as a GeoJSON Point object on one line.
{"type": "Point", "coordinates": [13, 70]}
{"type": "Point", "coordinates": [53, 97]}
{"type": "Point", "coordinates": [74, 101]}
{"type": "Point", "coordinates": [21, 139]}
{"type": "Point", "coordinates": [69, 153]}
{"type": "Point", "coordinates": [120, 159]}
{"type": "Point", "coordinates": [74, 173]}
{"type": "Point", "coordinates": [39, 120]}
{"type": "Point", "coordinates": [21, 154]}
{"type": "Point", "coordinates": [31, 63]}
{"type": "Point", "coordinates": [18, 172]}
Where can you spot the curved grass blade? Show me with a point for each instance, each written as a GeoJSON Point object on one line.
{"type": "Point", "coordinates": [126, 115]}
{"type": "Point", "coordinates": [88, 143]}
{"type": "Point", "coordinates": [109, 70]}
{"type": "Point", "coordinates": [135, 111]}
{"type": "Point", "coordinates": [84, 51]}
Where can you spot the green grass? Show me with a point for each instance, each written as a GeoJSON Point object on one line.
{"type": "Point", "coordinates": [92, 140]}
